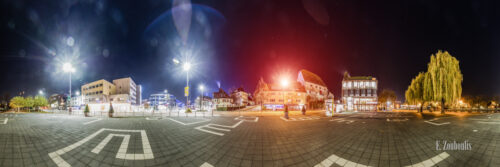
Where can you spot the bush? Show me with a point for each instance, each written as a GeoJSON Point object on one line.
{"type": "Point", "coordinates": [86, 110]}
{"type": "Point", "coordinates": [188, 110]}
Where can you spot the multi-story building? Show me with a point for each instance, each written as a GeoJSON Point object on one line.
{"type": "Point", "coordinates": [139, 95]}
{"type": "Point", "coordinates": [58, 101]}
{"type": "Point", "coordinates": [274, 97]}
{"type": "Point", "coordinates": [222, 100]}
{"type": "Point", "coordinates": [315, 87]}
{"type": "Point", "coordinates": [123, 90]}
{"type": "Point", "coordinates": [204, 104]}
{"type": "Point", "coordinates": [98, 91]}
{"type": "Point", "coordinates": [359, 93]}
{"type": "Point", "coordinates": [126, 86]}
{"type": "Point", "coordinates": [240, 97]}
{"type": "Point", "coordinates": [162, 99]}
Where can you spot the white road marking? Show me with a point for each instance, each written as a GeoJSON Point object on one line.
{"type": "Point", "coordinates": [5, 121]}
{"type": "Point", "coordinates": [148, 154]}
{"type": "Point", "coordinates": [204, 128]}
{"type": "Point", "coordinates": [342, 120]}
{"type": "Point", "coordinates": [337, 160]}
{"type": "Point", "coordinates": [432, 161]}
{"type": "Point", "coordinates": [185, 124]}
{"type": "Point", "coordinates": [211, 126]}
{"type": "Point", "coordinates": [437, 124]}
{"type": "Point", "coordinates": [300, 118]}
{"type": "Point", "coordinates": [483, 122]}
{"type": "Point", "coordinates": [255, 119]}
{"type": "Point", "coordinates": [206, 164]}
{"type": "Point", "coordinates": [86, 123]}
{"type": "Point", "coordinates": [397, 120]}
{"type": "Point", "coordinates": [152, 119]}
{"type": "Point", "coordinates": [474, 130]}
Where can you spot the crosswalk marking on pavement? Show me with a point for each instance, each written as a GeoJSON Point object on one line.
{"type": "Point", "coordinates": [300, 118]}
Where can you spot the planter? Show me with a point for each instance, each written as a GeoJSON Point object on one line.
{"type": "Point", "coordinates": [86, 114]}
{"type": "Point", "coordinates": [110, 114]}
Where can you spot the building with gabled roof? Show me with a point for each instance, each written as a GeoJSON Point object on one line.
{"type": "Point", "coordinates": [314, 86]}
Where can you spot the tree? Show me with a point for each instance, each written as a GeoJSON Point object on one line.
{"type": "Point", "coordinates": [442, 82]}
{"type": "Point", "coordinates": [29, 102]}
{"type": "Point", "coordinates": [446, 78]}
{"type": "Point", "coordinates": [17, 102]}
{"type": "Point", "coordinates": [40, 101]}
{"type": "Point", "coordinates": [415, 92]}
{"type": "Point", "coordinates": [386, 96]}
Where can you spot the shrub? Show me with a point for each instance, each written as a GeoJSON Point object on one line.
{"type": "Point", "coordinates": [86, 110]}
{"type": "Point", "coordinates": [188, 110]}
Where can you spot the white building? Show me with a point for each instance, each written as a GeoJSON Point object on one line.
{"type": "Point", "coordinates": [127, 86]}
{"type": "Point", "coordinates": [359, 93]}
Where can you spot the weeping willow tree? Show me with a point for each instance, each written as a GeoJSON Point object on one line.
{"type": "Point", "coordinates": [415, 92]}
{"type": "Point", "coordinates": [445, 77]}
{"type": "Point", "coordinates": [442, 82]}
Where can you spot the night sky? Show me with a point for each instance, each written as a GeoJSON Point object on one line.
{"type": "Point", "coordinates": [237, 42]}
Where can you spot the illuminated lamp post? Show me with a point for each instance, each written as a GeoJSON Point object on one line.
{"type": "Point", "coordinates": [68, 68]}
{"type": "Point", "coordinates": [201, 99]}
{"type": "Point", "coordinates": [284, 84]}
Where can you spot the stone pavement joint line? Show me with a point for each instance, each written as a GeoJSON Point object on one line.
{"type": "Point", "coordinates": [432, 161]}
{"type": "Point", "coordinates": [86, 123]}
{"type": "Point", "coordinates": [206, 164]}
{"type": "Point", "coordinates": [337, 160]}
{"type": "Point", "coordinates": [148, 154]}
{"type": "Point", "coordinates": [185, 124]}
{"type": "Point", "coordinates": [5, 121]}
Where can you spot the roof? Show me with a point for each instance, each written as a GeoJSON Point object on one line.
{"type": "Point", "coordinates": [220, 94]}
{"type": "Point", "coordinates": [311, 77]}
{"type": "Point", "coordinates": [361, 78]}
{"type": "Point", "coordinates": [348, 77]}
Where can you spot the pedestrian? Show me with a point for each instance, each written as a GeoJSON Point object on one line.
{"type": "Point", "coordinates": [303, 110]}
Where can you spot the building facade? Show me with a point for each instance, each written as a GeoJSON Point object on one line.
{"type": "Point", "coordinates": [359, 93]}
{"type": "Point", "coordinates": [162, 99]}
{"type": "Point", "coordinates": [274, 97]}
{"type": "Point", "coordinates": [126, 86]}
{"type": "Point", "coordinates": [221, 99]}
{"type": "Point", "coordinates": [315, 87]}
{"type": "Point", "coordinates": [240, 97]}
{"type": "Point", "coordinates": [203, 104]}
{"type": "Point", "coordinates": [98, 91]}
{"type": "Point", "coordinates": [101, 91]}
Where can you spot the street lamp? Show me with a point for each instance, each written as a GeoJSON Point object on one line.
{"type": "Point", "coordinates": [68, 68]}
{"type": "Point", "coordinates": [40, 92]}
{"type": "Point", "coordinates": [284, 84]}
{"type": "Point", "coordinates": [202, 88]}
{"type": "Point", "coordinates": [186, 66]}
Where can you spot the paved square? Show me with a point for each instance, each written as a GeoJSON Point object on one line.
{"type": "Point", "coordinates": [362, 139]}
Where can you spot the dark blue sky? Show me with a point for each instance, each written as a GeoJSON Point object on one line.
{"type": "Point", "coordinates": [237, 42]}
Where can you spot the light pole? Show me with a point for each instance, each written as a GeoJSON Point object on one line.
{"type": "Point", "coordinates": [68, 68]}
{"type": "Point", "coordinates": [284, 83]}
{"type": "Point", "coordinates": [186, 66]}
{"type": "Point", "coordinates": [201, 99]}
